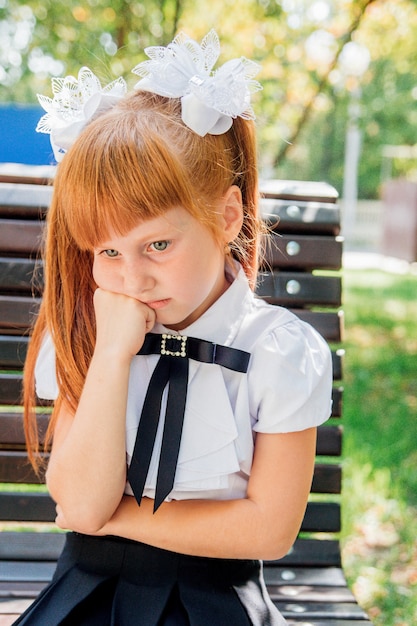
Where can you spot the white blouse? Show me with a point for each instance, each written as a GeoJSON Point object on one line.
{"type": "Point", "coordinates": [287, 388]}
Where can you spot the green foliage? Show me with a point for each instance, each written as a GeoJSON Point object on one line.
{"type": "Point", "coordinates": [306, 92]}
{"type": "Point", "coordinates": [380, 478]}
{"type": "Point", "coordinates": [43, 38]}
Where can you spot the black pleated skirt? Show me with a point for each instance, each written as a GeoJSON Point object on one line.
{"type": "Point", "coordinates": [109, 581]}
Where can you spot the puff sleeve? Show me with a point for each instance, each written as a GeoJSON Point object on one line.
{"type": "Point", "coordinates": [290, 379]}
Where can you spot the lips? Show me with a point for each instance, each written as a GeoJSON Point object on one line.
{"type": "Point", "coordinates": [157, 304]}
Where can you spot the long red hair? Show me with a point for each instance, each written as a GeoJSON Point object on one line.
{"type": "Point", "coordinates": [131, 163]}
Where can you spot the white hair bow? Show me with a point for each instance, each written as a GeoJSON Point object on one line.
{"type": "Point", "coordinates": [210, 100]}
{"type": "Point", "coordinates": [75, 102]}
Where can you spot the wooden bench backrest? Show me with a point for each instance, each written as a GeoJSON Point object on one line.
{"type": "Point", "coordinates": [305, 258]}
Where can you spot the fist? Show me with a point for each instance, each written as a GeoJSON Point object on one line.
{"type": "Point", "coordinates": [122, 322]}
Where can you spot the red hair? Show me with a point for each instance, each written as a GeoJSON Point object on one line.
{"type": "Point", "coordinates": [132, 163]}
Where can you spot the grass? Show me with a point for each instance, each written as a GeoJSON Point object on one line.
{"type": "Point", "coordinates": [380, 471]}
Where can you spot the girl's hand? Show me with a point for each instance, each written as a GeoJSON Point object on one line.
{"type": "Point", "coordinates": [122, 322]}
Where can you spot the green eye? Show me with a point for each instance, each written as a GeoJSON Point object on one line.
{"type": "Point", "coordinates": [111, 253]}
{"type": "Point", "coordinates": [160, 246]}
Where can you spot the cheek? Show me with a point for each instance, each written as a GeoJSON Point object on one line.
{"type": "Point", "coordinates": [96, 273]}
{"type": "Point", "coordinates": [102, 277]}
{"type": "Point", "coordinates": [203, 273]}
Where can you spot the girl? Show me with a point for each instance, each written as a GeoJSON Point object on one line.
{"type": "Point", "coordinates": [184, 425]}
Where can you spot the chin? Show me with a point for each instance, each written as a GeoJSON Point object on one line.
{"type": "Point", "coordinates": [175, 323]}
{"type": "Point", "coordinates": [167, 321]}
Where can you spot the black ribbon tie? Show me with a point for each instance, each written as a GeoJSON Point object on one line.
{"type": "Point", "coordinates": [172, 369]}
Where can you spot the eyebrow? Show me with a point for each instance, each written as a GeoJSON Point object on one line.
{"type": "Point", "coordinates": [163, 233]}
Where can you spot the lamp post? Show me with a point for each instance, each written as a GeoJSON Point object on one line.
{"type": "Point", "coordinates": [354, 61]}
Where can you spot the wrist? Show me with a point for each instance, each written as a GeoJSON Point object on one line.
{"type": "Point", "coordinates": [111, 354]}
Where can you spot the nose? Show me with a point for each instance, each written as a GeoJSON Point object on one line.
{"type": "Point", "coordinates": [137, 280]}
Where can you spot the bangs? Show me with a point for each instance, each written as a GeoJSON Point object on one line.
{"type": "Point", "coordinates": [113, 178]}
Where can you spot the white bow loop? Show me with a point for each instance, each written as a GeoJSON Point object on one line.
{"type": "Point", "coordinates": [75, 103]}
{"type": "Point", "coordinates": [210, 100]}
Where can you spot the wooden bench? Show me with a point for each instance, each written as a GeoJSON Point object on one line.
{"type": "Point", "coordinates": [308, 585]}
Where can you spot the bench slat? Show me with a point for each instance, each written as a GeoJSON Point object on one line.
{"type": "Point", "coordinates": [23, 199]}
{"type": "Point", "coordinates": [294, 190]}
{"type": "Point", "coordinates": [322, 610]}
{"type": "Point", "coordinates": [14, 467]}
{"type": "Point", "coordinates": [310, 593]}
{"type": "Point", "coordinates": [13, 348]}
{"type": "Point", "coordinates": [328, 324]}
{"type": "Point", "coordinates": [322, 517]}
{"type": "Point", "coordinates": [329, 441]}
{"type": "Point", "coordinates": [337, 364]}
{"type": "Point", "coordinates": [11, 384]}
{"type": "Point", "coordinates": [327, 478]}
{"type": "Point", "coordinates": [17, 312]}
{"type": "Point", "coordinates": [10, 393]}
{"type": "Point", "coordinates": [39, 507]}
{"type": "Point", "coordinates": [300, 621]}
{"type": "Point", "coordinates": [31, 571]}
{"type": "Point", "coordinates": [10, 609]}
{"type": "Point", "coordinates": [313, 598]}
{"type": "Point", "coordinates": [45, 546]}
{"type": "Point", "coordinates": [275, 577]}
{"type": "Point", "coordinates": [323, 576]}
{"type": "Point", "coordinates": [310, 553]}
{"type": "Point", "coordinates": [12, 436]}
{"type": "Point", "coordinates": [300, 289]}
{"type": "Point", "coordinates": [303, 252]}
{"type": "Point", "coordinates": [290, 217]}
{"type": "Point", "coordinates": [299, 584]}
{"type": "Point", "coordinates": [18, 588]}
{"type": "Point", "coordinates": [329, 438]}
{"type": "Point", "coordinates": [34, 546]}
{"type": "Point", "coordinates": [24, 507]}
{"type": "Point", "coordinates": [13, 351]}
{"type": "Point", "coordinates": [20, 236]}
{"type": "Point", "coordinates": [337, 401]}
{"type": "Point", "coordinates": [11, 616]}
{"type": "Point", "coordinates": [10, 388]}
{"type": "Point", "coordinates": [312, 621]}
{"type": "Point", "coordinates": [289, 607]}
{"type": "Point", "coordinates": [292, 289]}
{"type": "Point", "coordinates": [16, 274]}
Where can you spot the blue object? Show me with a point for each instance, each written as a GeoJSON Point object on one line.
{"type": "Point", "coordinates": [19, 141]}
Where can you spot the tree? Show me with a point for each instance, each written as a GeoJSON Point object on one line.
{"type": "Point", "coordinates": [41, 38]}
{"type": "Point", "coordinates": [303, 108]}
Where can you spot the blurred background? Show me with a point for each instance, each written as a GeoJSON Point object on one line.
{"type": "Point", "coordinates": [340, 91]}
{"type": "Point", "coordinates": [339, 104]}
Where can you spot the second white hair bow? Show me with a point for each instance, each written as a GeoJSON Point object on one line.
{"type": "Point", "coordinates": [210, 100]}
{"type": "Point", "coordinates": [75, 103]}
